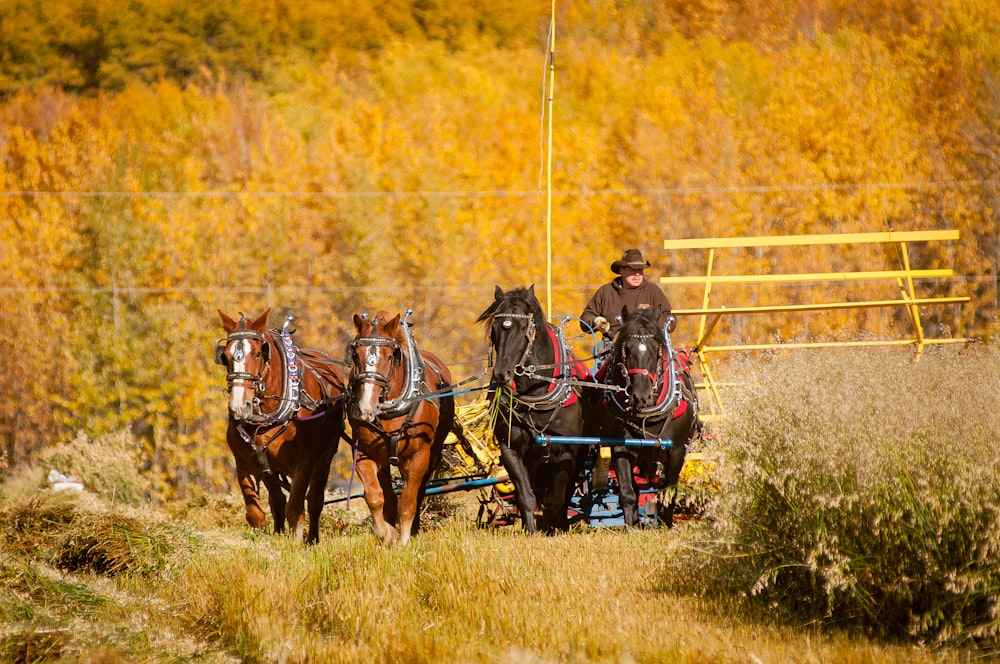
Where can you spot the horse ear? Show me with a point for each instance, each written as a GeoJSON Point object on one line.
{"type": "Point", "coordinates": [498, 293]}
{"type": "Point", "coordinates": [228, 324]}
{"type": "Point", "coordinates": [261, 323]}
{"type": "Point", "coordinates": [624, 313]}
{"type": "Point", "coordinates": [358, 320]}
{"type": "Point", "coordinates": [392, 325]}
{"type": "Point", "coordinates": [531, 290]}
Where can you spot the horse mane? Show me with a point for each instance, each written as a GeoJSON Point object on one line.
{"type": "Point", "coordinates": [525, 297]}
{"type": "Point", "coordinates": [645, 320]}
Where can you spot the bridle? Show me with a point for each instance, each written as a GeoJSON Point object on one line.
{"type": "Point", "coordinates": [242, 333]}
{"type": "Point", "coordinates": [414, 389]}
{"type": "Point", "coordinates": [667, 388]}
{"type": "Point", "coordinates": [371, 345]}
{"type": "Point", "coordinates": [559, 388]}
{"type": "Point", "coordinates": [627, 372]}
{"type": "Point", "coordinates": [289, 400]}
{"type": "Point", "coordinates": [530, 331]}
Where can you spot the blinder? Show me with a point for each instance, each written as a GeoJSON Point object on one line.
{"type": "Point", "coordinates": [220, 352]}
{"type": "Point", "coordinates": [371, 343]}
{"type": "Point", "coordinates": [220, 347]}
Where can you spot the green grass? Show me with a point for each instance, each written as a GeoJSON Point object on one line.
{"type": "Point", "coordinates": [854, 519]}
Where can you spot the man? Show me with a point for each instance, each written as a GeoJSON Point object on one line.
{"type": "Point", "coordinates": [630, 290]}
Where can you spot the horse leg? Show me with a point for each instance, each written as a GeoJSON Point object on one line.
{"type": "Point", "coordinates": [375, 498]}
{"type": "Point", "coordinates": [316, 497]}
{"type": "Point", "coordinates": [251, 498]}
{"type": "Point", "coordinates": [434, 456]}
{"type": "Point", "coordinates": [555, 515]}
{"type": "Point", "coordinates": [276, 500]}
{"type": "Point", "coordinates": [675, 462]}
{"type": "Point", "coordinates": [628, 500]}
{"type": "Point", "coordinates": [414, 471]}
{"type": "Point", "coordinates": [295, 507]}
{"type": "Point", "coordinates": [247, 470]}
{"type": "Point", "coordinates": [523, 493]}
{"type": "Point", "coordinates": [390, 508]}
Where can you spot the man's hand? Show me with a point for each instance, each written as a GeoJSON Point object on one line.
{"type": "Point", "coordinates": [601, 325]}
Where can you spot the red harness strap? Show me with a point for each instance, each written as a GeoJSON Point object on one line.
{"type": "Point", "coordinates": [684, 363]}
{"type": "Point", "coordinates": [577, 369]}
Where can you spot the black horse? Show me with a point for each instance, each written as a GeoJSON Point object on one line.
{"type": "Point", "coordinates": [536, 391]}
{"type": "Point", "coordinates": [649, 395]}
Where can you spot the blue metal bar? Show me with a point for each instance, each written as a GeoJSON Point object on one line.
{"type": "Point", "coordinates": [472, 484]}
{"type": "Point", "coordinates": [441, 487]}
{"type": "Point", "coordinates": [584, 440]}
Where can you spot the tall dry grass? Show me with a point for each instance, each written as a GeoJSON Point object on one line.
{"type": "Point", "coordinates": [861, 488]}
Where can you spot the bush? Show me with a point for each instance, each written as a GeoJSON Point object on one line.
{"type": "Point", "coordinates": [861, 489]}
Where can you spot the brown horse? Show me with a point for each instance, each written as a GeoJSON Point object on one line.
{"type": "Point", "coordinates": [400, 414]}
{"type": "Point", "coordinates": [286, 419]}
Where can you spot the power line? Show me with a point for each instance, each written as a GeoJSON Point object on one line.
{"type": "Point", "coordinates": [310, 290]}
{"type": "Point", "coordinates": [583, 191]}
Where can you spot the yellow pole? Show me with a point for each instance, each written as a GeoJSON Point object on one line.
{"type": "Point", "coordinates": [548, 168]}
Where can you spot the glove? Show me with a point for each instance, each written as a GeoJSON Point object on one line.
{"type": "Point", "coordinates": [601, 325]}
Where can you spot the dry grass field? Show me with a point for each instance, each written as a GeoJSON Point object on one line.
{"type": "Point", "coordinates": [855, 518]}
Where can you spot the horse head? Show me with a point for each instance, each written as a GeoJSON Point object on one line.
{"type": "Point", "coordinates": [246, 354]}
{"type": "Point", "coordinates": [374, 355]}
{"type": "Point", "coordinates": [513, 321]}
{"type": "Point", "coordinates": [639, 357]}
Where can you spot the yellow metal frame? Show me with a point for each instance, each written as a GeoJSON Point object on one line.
{"type": "Point", "coordinates": [709, 316]}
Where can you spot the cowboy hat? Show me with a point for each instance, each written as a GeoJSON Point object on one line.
{"type": "Point", "coordinates": [631, 258]}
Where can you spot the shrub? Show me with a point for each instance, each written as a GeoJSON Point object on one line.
{"type": "Point", "coordinates": [860, 488]}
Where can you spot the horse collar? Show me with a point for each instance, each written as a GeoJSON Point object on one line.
{"type": "Point", "coordinates": [559, 393]}
{"type": "Point", "coordinates": [291, 380]}
{"type": "Point", "coordinates": [414, 381]}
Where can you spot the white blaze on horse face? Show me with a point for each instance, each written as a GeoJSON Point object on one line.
{"type": "Point", "coordinates": [241, 396]}
{"type": "Point", "coordinates": [368, 399]}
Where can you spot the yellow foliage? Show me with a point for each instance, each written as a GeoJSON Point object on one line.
{"type": "Point", "coordinates": [400, 160]}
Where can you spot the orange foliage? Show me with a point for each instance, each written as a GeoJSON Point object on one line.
{"type": "Point", "coordinates": [400, 160]}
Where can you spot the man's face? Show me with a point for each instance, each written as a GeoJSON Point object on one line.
{"type": "Point", "coordinates": [631, 277]}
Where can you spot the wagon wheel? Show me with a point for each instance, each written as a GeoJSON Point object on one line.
{"type": "Point", "coordinates": [496, 509]}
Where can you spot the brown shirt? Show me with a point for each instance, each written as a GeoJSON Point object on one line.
{"type": "Point", "coordinates": [611, 297]}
